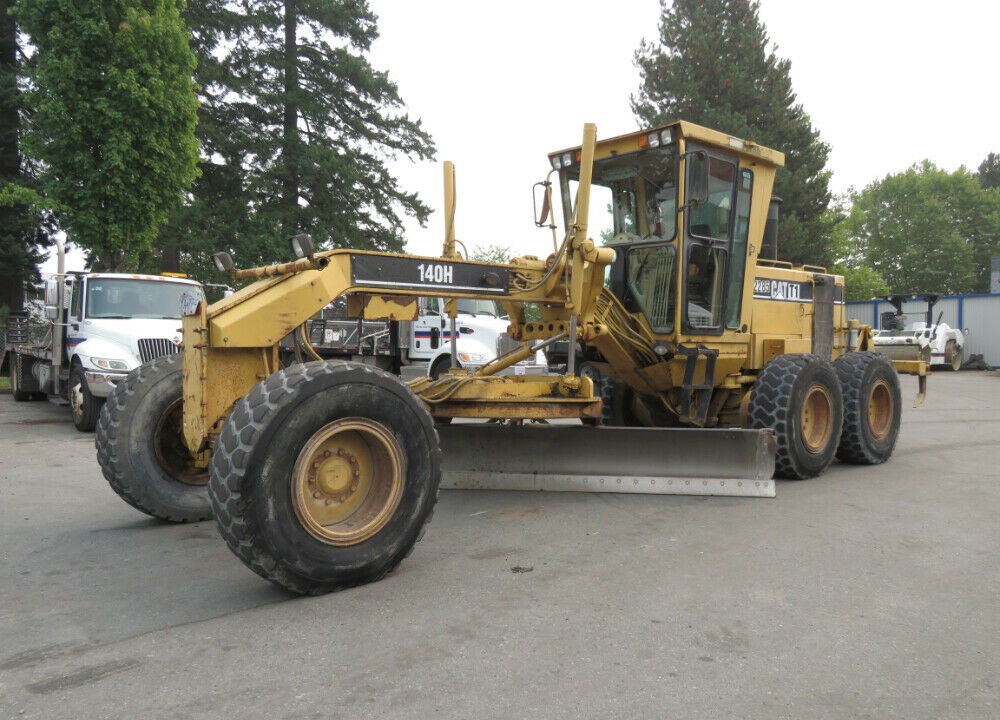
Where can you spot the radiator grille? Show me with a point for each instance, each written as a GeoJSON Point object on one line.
{"type": "Point", "coordinates": [505, 343]}
{"type": "Point", "coordinates": [152, 348]}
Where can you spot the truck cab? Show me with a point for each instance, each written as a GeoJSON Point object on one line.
{"type": "Point", "coordinates": [480, 335]}
{"type": "Point", "coordinates": [116, 322]}
{"type": "Point", "coordinates": [102, 326]}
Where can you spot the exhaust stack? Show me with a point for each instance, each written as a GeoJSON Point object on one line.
{"type": "Point", "coordinates": [769, 246]}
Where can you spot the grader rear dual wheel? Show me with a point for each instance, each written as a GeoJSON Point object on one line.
{"type": "Point", "coordinates": [799, 397]}
{"type": "Point", "coordinates": [324, 476]}
{"type": "Point", "coordinates": [872, 407]}
{"type": "Point", "coordinates": [849, 409]}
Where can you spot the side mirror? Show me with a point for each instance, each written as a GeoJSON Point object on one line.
{"type": "Point", "coordinates": [697, 188]}
{"type": "Point", "coordinates": [543, 189]}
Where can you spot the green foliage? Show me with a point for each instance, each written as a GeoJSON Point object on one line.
{"type": "Point", "coordinates": [114, 116]}
{"type": "Point", "coordinates": [491, 254]}
{"type": "Point", "coordinates": [297, 129]}
{"type": "Point", "coordinates": [989, 171]}
{"type": "Point", "coordinates": [925, 230]}
{"type": "Point", "coordinates": [712, 67]}
{"type": "Point", "coordinates": [861, 282]}
{"type": "Point", "coordinates": [24, 227]}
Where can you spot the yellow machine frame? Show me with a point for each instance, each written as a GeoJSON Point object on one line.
{"type": "Point", "coordinates": [233, 344]}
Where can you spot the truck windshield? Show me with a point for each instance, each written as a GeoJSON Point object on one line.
{"type": "Point", "coordinates": [478, 307]}
{"type": "Point", "coordinates": [632, 197]}
{"type": "Point", "coordinates": [125, 298]}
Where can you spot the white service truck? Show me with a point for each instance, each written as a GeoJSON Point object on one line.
{"type": "Point", "coordinates": [99, 327]}
{"type": "Point", "coordinates": [480, 332]}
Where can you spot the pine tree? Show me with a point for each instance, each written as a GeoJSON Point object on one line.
{"type": "Point", "coordinates": [297, 129]}
{"type": "Point", "coordinates": [989, 171]}
{"type": "Point", "coordinates": [712, 67]}
{"type": "Point", "coordinates": [23, 230]}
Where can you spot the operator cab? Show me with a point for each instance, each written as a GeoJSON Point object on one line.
{"type": "Point", "coordinates": [665, 251]}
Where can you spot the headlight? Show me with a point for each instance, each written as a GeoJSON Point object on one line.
{"type": "Point", "coordinates": [473, 358]}
{"type": "Point", "coordinates": [106, 364]}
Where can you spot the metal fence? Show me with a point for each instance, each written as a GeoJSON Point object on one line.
{"type": "Point", "coordinates": [979, 314]}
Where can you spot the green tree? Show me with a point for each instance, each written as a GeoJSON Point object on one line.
{"type": "Point", "coordinates": [490, 253]}
{"type": "Point", "coordinates": [989, 171]}
{"type": "Point", "coordinates": [926, 230]}
{"type": "Point", "coordinates": [711, 66]}
{"type": "Point", "coordinates": [23, 230]}
{"type": "Point", "coordinates": [298, 129]}
{"type": "Point", "coordinates": [861, 282]}
{"type": "Point", "coordinates": [114, 116]}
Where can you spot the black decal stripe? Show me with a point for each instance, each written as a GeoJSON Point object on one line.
{"type": "Point", "coordinates": [388, 271]}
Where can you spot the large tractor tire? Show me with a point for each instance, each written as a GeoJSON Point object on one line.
{"type": "Point", "coordinates": [799, 397]}
{"type": "Point", "coordinates": [84, 407]}
{"type": "Point", "coordinates": [324, 476]}
{"type": "Point", "coordinates": [872, 407]}
{"type": "Point", "coordinates": [140, 445]}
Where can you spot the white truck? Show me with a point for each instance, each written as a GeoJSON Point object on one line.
{"type": "Point", "coordinates": [480, 335]}
{"type": "Point", "coordinates": [99, 327]}
{"type": "Point", "coordinates": [903, 338]}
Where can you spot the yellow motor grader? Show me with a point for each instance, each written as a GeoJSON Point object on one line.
{"type": "Point", "coordinates": [695, 362]}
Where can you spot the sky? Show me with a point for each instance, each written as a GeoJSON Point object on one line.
{"type": "Point", "coordinates": [499, 85]}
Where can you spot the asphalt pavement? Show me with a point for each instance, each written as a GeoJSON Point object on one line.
{"type": "Point", "coordinates": [871, 592]}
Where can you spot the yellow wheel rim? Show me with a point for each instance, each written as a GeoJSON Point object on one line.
{"type": "Point", "coordinates": [880, 409]}
{"type": "Point", "coordinates": [348, 481]}
{"type": "Point", "coordinates": [817, 419]}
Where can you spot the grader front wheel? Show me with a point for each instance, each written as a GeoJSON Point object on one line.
{"type": "Point", "coordinates": [324, 476]}
{"type": "Point", "coordinates": [140, 447]}
{"type": "Point", "coordinates": [347, 481]}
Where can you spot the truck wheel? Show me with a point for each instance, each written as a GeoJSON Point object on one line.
{"type": "Point", "coordinates": [140, 445]}
{"type": "Point", "coordinates": [324, 476]}
{"type": "Point", "coordinates": [84, 407]}
{"type": "Point", "coordinates": [872, 405]}
{"type": "Point", "coordinates": [14, 370]}
{"type": "Point", "coordinates": [953, 355]}
{"type": "Point", "coordinates": [799, 397]}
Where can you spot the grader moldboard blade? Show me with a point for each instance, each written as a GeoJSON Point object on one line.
{"type": "Point", "coordinates": [662, 461]}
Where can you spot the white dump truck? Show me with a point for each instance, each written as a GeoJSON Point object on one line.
{"type": "Point", "coordinates": [99, 326]}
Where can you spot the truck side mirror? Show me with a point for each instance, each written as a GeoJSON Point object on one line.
{"type": "Point", "coordinates": [697, 189]}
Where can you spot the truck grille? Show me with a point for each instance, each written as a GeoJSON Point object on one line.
{"type": "Point", "coordinates": [152, 348]}
{"type": "Point", "coordinates": [505, 343]}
